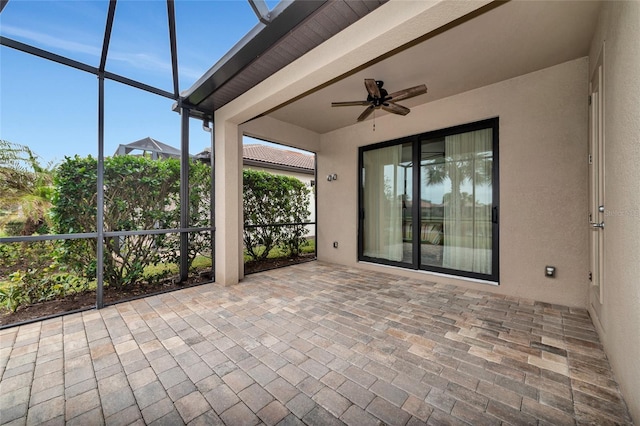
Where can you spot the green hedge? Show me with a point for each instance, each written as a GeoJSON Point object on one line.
{"type": "Point", "coordinates": [139, 194]}
{"type": "Point", "coordinates": [274, 199]}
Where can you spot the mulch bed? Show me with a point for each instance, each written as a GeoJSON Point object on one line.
{"type": "Point", "coordinates": [112, 295]}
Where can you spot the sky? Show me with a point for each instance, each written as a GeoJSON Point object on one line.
{"type": "Point", "coordinates": [53, 108]}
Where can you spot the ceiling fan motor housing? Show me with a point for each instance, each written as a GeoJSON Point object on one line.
{"type": "Point", "coordinates": [375, 100]}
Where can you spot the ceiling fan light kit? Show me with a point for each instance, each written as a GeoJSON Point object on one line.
{"type": "Point", "coordinates": [379, 98]}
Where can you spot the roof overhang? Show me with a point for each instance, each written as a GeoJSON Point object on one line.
{"type": "Point", "coordinates": [295, 28]}
{"type": "Point", "coordinates": [282, 167]}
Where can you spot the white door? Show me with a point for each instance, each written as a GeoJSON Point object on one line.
{"type": "Point", "coordinates": [597, 209]}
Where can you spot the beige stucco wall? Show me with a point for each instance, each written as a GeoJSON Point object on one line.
{"type": "Point", "coordinates": [619, 322]}
{"type": "Point", "coordinates": [272, 130]}
{"type": "Point", "coordinates": [543, 175]}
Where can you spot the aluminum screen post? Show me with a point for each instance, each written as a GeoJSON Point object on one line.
{"type": "Point", "coordinates": [184, 194]}
{"type": "Point", "coordinates": [100, 178]}
{"type": "Point", "coordinates": [100, 198]}
{"type": "Point", "coordinates": [212, 205]}
{"type": "Point", "coordinates": [212, 190]}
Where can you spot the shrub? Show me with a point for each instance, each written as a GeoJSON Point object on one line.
{"type": "Point", "coordinates": [12, 297]}
{"type": "Point", "coordinates": [35, 286]}
{"type": "Point", "coordinates": [199, 216]}
{"type": "Point", "coordinates": [139, 194]}
{"type": "Point", "coordinates": [273, 199]}
{"type": "Point", "coordinates": [25, 255]}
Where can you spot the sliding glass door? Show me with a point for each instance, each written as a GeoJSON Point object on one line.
{"type": "Point", "coordinates": [456, 177]}
{"type": "Point", "coordinates": [386, 194]}
{"type": "Point", "coordinates": [453, 228]}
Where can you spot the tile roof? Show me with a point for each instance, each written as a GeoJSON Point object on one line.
{"type": "Point", "coordinates": [278, 157]}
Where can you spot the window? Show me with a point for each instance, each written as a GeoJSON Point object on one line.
{"type": "Point", "coordinates": [440, 216]}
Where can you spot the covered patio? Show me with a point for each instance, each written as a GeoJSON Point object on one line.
{"type": "Point", "coordinates": [312, 344]}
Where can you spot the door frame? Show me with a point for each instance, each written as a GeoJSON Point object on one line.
{"type": "Point", "coordinates": [597, 212]}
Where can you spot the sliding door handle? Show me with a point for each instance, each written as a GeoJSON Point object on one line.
{"type": "Point", "coordinates": [494, 215]}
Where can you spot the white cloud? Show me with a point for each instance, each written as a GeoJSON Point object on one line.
{"type": "Point", "coordinates": [141, 61]}
{"type": "Point", "coordinates": [49, 41]}
{"type": "Point", "coordinates": [190, 72]}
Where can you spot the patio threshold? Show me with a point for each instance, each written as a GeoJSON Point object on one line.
{"type": "Point", "coordinates": [313, 343]}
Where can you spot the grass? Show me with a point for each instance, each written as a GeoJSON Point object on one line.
{"type": "Point", "coordinates": [278, 252]}
{"type": "Point", "coordinates": [159, 270]}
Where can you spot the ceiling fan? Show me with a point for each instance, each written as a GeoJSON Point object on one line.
{"type": "Point", "coordinates": [379, 98]}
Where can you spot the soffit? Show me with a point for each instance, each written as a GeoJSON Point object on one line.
{"type": "Point", "coordinates": [515, 38]}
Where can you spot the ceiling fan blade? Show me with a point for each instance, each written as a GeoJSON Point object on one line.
{"type": "Point", "coordinates": [395, 108]}
{"type": "Point", "coordinates": [350, 103]}
{"type": "Point", "coordinates": [407, 93]}
{"type": "Point", "coordinates": [372, 87]}
{"type": "Point", "coordinates": [367, 112]}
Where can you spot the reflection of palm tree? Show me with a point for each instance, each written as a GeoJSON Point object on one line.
{"type": "Point", "coordinates": [27, 189]}
{"type": "Point", "coordinates": [475, 169]}
{"type": "Point", "coordinates": [466, 162]}
{"type": "Point", "coordinates": [465, 198]}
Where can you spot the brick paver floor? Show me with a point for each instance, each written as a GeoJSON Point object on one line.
{"type": "Point", "coordinates": [314, 344]}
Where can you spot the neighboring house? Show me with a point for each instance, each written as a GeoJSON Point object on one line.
{"type": "Point", "coordinates": [508, 80]}
{"type": "Point", "coordinates": [280, 161]}
{"type": "Point", "coordinates": [149, 146]}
